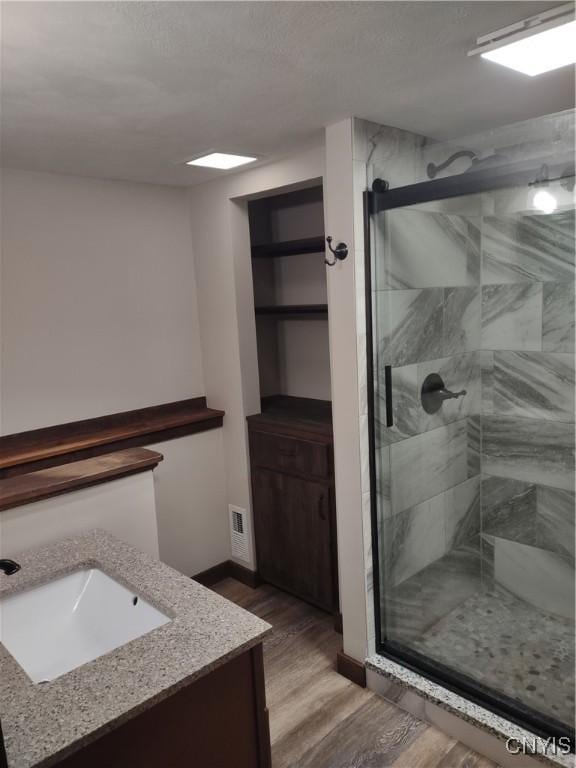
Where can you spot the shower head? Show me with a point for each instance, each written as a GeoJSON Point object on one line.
{"type": "Point", "coordinates": [432, 169]}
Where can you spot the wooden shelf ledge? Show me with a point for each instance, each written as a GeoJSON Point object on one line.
{"type": "Point", "coordinates": [51, 446]}
{"type": "Point", "coordinates": [44, 483]}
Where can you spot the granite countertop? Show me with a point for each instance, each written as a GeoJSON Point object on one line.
{"type": "Point", "coordinates": [43, 723]}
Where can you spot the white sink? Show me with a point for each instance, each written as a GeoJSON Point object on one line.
{"type": "Point", "coordinates": [58, 626]}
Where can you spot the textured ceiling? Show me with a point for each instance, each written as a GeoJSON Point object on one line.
{"type": "Point", "coordinates": [127, 90]}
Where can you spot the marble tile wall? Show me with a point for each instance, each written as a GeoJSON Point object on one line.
{"type": "Point", "coordinates": [414, 325]}
{"type": "Point", "coordinates": [558, 317]}
{"type": "Point", "coordinates": [428, 464]}
{"type": "Point", "coordinates": [512, 316]}
{"type": "Point", "coordinates": [509, 342]}
{"type": "Point", "coordinates": [527, 375]}
{"type": "Point", "coordinates": [528, 248]}
{"type": "Point", "coordinates": [533, 385]}
{"type": "Point", "coordinates": [527, 362]}
{"type": "Point", "coordinates": [555, 509]}
{"type": "Point", "coordinates": [427, 307]}
{"type": "Point", "coordinates": [426, 531]}
{"type": "Point", "coordinates": [487, 302]}
{"type": "Point", "coordinates": [400, 157]}
{"type": "Point", "coordinates": [529, 450]}
{"type": "Point", "coordinates": [424, 250]}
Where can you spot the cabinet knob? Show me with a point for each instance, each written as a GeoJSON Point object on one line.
{"type": "Point", "coordinates": [321, 511]}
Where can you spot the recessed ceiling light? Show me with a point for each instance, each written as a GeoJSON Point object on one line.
{"type": "Point", "coordinates": [221, 160]}
{"type": "Point", "coordinates": [539, 44]}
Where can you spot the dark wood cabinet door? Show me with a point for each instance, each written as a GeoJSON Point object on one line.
{"type": "Point", "coordinates": [293, 527]}
{"type": "Point", "coordinates": [218, 721]}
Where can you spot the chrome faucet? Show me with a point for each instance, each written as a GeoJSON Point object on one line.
{"type": "Point", "coordinates": [9, 567]}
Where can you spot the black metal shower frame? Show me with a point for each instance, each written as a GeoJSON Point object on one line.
{"type": "Point", "coordinates": [519, 175]}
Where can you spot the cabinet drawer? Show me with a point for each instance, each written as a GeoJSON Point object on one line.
{"type": "Point", "coordinates": [288, 454]}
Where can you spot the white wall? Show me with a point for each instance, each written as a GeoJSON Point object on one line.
{"type": "Point", "coordinates": [98, 299]}
{"type": "Point", "coordinates": [124, 507]}
{"type": "Point", "coordinates": [221, 243]}
{"type": "Point", "coordinates": [191, 499]}
{"type": "Point", "coordinates": [345, 292]}
{"type": "Point", "coordinates": [98, 315]}
{"type": "Point", "coordinates": [304, 359]}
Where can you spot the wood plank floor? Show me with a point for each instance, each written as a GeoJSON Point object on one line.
{"type": "Point", "coordinates": [318, 719]}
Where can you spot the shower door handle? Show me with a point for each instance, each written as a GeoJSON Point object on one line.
{"type": "Point", "coordinates": [388, 395]}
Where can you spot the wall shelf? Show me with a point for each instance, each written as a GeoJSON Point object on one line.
{"type": "Point", "coordinates": [45, 483]}
{"type": "Point", "coordinates": [51, 446]}
{"type": "Point", "coordinates": [289, 248]}
{"type": "Point", "coordinates": [318, 310]}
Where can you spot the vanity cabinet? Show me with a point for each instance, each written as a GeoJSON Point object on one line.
{"type": "Point", "coordinates": [188, 694]}
{"type": "Point", "coordinates": [291, 455]}
{"type": "Point", "coordinates": [218, 721]}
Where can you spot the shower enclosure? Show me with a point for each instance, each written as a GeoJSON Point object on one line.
{"type": "Point", "coordinates": [470, 326]}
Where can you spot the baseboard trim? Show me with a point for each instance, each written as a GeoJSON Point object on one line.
{"type": "Point", "coordinates": [351, 669]}
{"type": "Point", "coordinates": [244, 575]}
{"type": "Point", "coordinates": [213, 575]}
{"type": "Point", "coordinates": [228, 570]}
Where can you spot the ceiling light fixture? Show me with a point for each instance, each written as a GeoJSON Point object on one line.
{"type": "Point", "coordinates": [535, 45]}
{"type": "Point", "coordinates": [221, 160]}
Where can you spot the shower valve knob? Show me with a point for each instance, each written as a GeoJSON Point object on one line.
{"type": "Point", "coordinates": [434, 393]}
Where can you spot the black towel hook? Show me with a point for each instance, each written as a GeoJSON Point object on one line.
{"type": "Point", "coordinates": [340, 252]}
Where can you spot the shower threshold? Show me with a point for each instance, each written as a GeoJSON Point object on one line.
{"type": "Point", "coordinates": [506, 743]}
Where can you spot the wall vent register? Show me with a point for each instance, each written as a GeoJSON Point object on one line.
{"type": "Point", "coordinates": [239, 534]}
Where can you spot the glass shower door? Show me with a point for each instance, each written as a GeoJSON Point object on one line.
{"type": "Point", "coordinates": [472, 304]}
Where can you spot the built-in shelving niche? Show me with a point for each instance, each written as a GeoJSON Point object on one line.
{"type": "Point", "coordinates": [287, 310]}
{"type": "Point", "coordinates": [289, 248]}
{"type": "Point", "coordinates": [290, 294]}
